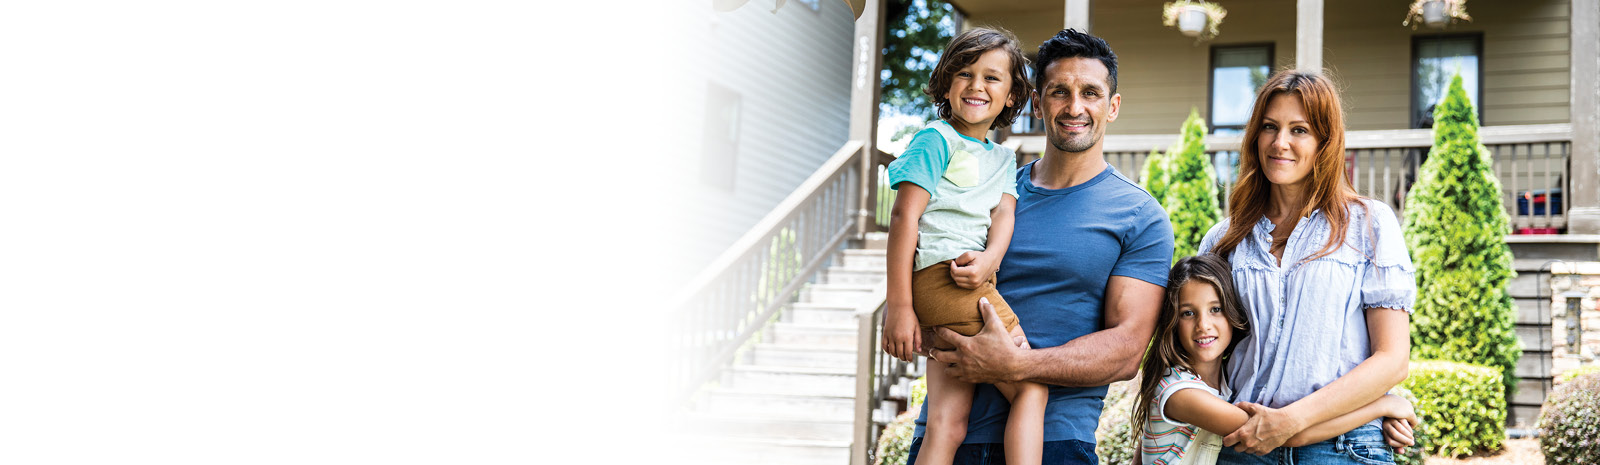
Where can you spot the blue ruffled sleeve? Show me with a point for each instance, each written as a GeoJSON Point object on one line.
{"type": "Point", "coordinates": [1391, 280]}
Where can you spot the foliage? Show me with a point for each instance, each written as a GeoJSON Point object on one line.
{"type": "Point", "coordinates": [1462, 406]}
{"type": "Point", "coordinates": [1569, 375]}
{"type": "Point", "coordinates": [1115, 442]}
{"type": "Point", "coordinates": [1569, 423]}
{"type": "Point", "coordinates": [915, 32]}
{"type": "Point", "coordinates": [1214, 14]}
{"type": "Point", "coordinates": [1414, 455]}
{"type": "Point", "coordinates": [1453, 10]}
{"type": "Point", "coordinates": [1455, 228]}
{"type": "Point", "coordinates": [1154, 176]}
{"type": "Point", "coordinates": [1191, 197]}
{"type": "Point", "coordinates": [894, 445]}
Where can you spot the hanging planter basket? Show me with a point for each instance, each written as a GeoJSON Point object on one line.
{"type": "Point", "coordinates": [1193, 18]}
{"type": "Point", "coordinates": [1436, 14]}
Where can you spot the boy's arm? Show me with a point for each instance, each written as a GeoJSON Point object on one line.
{"type": "Point", "coordinates": [902, 336]}
{"type": "Point", "coordinates": [972, 269]}
{"type": "Point", "coordinates": [1389, 405]}
{"type": "Point", "coordinates": [1205, 411]}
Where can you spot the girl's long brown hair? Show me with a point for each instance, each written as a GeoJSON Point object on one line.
{"type": "Point", "coordinates": [1330, 190]}
{"type": "Point", "coordinates": [1165, 351]}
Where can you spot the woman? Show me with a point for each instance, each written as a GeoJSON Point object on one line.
{"type": "Point", "coordinates": [1325, 277]}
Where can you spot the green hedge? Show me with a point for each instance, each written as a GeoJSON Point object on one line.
{"type": "Point", "coordinates": [1462, 406]}
{"type": "Point", "coordinates": [1569, 423]}
{"type": "Point", "coordinates": [1569, 375]}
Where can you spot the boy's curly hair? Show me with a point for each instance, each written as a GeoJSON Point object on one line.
{"type": "Point", "coordinates": [963, 51]}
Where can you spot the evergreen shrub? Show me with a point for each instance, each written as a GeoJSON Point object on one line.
{"type": "Point", "coordinates": [1455, 228]}
{"type": "Point", "coordinates": [1462, 407]}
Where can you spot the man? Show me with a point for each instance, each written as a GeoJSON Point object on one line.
{"type": "Point", "coordinates": [1085, 271]}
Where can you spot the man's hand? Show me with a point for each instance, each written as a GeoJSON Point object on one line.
{"type": "Point", "coordinates": [991, 356]}
{"type": "Point", "coordinates": [1266, 429]}
{"type": "Point", "coordinates": [972, 269]}
{"type": "Point", "coordinates": [1401, 420]}
{"type": "Point", "coordinates": [902, 336]}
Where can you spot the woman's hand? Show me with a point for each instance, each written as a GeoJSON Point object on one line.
{"type": "Point", "coordinates": [1266, 429]}
{"type": "Point", "coordinates": [1400, 422]}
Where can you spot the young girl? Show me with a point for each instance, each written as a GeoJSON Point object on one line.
{"type": "Point", "coordinates": [1182, 411]}
{"type": "Point", "coordinates": [950, 227]}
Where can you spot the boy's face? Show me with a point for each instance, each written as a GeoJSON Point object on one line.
{"type": "Point", "coordinates": [1075, 103]}
{"type": "Point", "coordinates": [979, 92]}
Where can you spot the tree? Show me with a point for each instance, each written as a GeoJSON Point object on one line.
{"type": "Point", "coordinates": [1153, 178]}
{"type": "Point", "coordinates": [916, 31]}
{"type": "Point", "coordinates": [1455, 228]}
{"type": "Point", "coordinates": [1191, 188]}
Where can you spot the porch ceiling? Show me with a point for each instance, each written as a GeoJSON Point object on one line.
{"type": "Point", "coordinates": [988, 7]}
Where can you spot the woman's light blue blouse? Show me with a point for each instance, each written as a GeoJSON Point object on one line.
{"type": "Point", "coordinates": [1308, 321]}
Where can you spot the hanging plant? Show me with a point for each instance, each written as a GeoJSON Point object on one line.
{"type": "Point", "coordinates": [1436, 13]}
{"type": "Point", "coordinates": [1194, 18]}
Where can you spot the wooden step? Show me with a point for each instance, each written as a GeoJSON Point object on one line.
{"type": "Point", "coordinates": [747, 402]}
{"type": "Point", "coordinates": [802, 355]}
{"type": "Point", "coordinates": [816, 335]}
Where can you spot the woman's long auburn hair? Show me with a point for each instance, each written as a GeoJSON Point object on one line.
{"type": "Point", "coordinates": [1330, 190]}
{"type": "Point", "coordinates": [1165, 352]}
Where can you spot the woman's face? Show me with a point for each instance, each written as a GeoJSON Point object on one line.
{"type": "Point", "coordinates": [1285, 144]}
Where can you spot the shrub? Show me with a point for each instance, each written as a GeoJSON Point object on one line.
{"type": "Point", "coordinates": [1191, 185]}
{"type": "Point", "coordinates": [1569, 375]}
{"type": "Point", "coordinates": [1115, 442]}
{"type": "Point", "coordinates": [1569, 423]}
{"type": "Point", "coordinates": [1414, 455]}
{"type": "Point", "coordinates": [1462, 406]}
{"type": "Point", "coordinates": [895, 443]}
{"type": "Point", "coordinates": [1455, 228]}
{"type": "Point", "coordinates": [1153, 178]}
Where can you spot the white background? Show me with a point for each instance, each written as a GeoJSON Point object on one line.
{"type": "Point", "coordinates": [333, 231]}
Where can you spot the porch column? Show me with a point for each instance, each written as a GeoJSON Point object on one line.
{"type": "Point", "coordinates": [1584, 217]}
{"type": "Point", "coordinates": [1308, 35]}
{"type": "Point", "coordinates": [1077, 15]}
{"type": "Point", "coordinates": [866, 62]}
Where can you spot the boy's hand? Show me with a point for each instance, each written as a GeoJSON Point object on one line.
{"type": "Point", "coordinates": [972, 269]}
{"type": "Point", "coordinates": [902, 335]}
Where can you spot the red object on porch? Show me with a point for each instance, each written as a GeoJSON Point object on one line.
{"type": "Point", "coordinates": [1537, 231]}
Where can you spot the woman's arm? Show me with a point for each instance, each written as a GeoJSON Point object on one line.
{"type": "Point", "coordinates": [972, 269]}
{"type": "Point", "coordinates": [1389, 332]}
{"type": "Point", "coordinates": [902, 336]}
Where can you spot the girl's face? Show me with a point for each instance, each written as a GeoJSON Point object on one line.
{"type": "Point", "coordinates": [1285, 144]}
{"type": "Point", "coordinates": [1203, 329]}
{"type": "Point", "coordinates": [979, 92]}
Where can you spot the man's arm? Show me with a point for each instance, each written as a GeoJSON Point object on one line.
{"type": "Point", "coordinates": [1095, 359]}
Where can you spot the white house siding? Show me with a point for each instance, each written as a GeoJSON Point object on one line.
{"type": "Point", "coordinates": [1163, 73]}
{"type": "Point", "coordinates": [792, 72]}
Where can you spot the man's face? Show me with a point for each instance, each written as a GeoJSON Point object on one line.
{"type": "Point", "coordinates": [1075, 103]}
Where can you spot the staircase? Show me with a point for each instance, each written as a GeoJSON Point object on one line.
{"type": "Point", "coordinates": [789, 398]}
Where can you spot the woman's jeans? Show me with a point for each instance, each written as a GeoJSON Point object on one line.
{"type": "Point", "coordinates": [1364, 445]}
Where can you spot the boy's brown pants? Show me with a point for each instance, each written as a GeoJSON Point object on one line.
{"type": "Point", "coordinates": [938, 301]}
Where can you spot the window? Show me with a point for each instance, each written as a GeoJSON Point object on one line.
{"type": "Point", "coordinates": [720, 139]}
{"type": "Point", "coordinates": [1434, 61]}
{"type": "Point", "coordinates": [1237, 73]}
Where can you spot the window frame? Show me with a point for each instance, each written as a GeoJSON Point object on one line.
{"type": "Point", "coordinates": [1416, 88]}
{"type": "Point", "coordinates": [1211, 74]}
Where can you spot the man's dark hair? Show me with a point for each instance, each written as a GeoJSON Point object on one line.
{"type": "Point", "coordinates": [1069, 43]}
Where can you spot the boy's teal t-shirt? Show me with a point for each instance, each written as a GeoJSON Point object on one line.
{"type": "Point", "coordinates": [965, 178]}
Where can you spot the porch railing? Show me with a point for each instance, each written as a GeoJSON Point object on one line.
{"type": "Point", "coordinates": [1531, 161]}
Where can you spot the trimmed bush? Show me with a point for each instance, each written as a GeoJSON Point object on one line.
{"type": "Point", "coordinates": [1569, 422]}
{"type": "Point", "coordinates": [1569, 375]}
{"type": "Point", "coordinates": [1455, 228]}
{"type": "Point", "coordinates": [1462, 406]}
{"type": "Point", "coordinates": [1115, 442]}
{"type": "Point", "coordinates": [1191, 197]}
{"type": "Point", "coordinates": [894, 445]}
{"type": "Point", "coordinates": [1153, 178]}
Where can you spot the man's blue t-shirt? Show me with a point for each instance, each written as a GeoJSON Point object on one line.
{"type": "Point", "coordinates": [1066, 245]}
